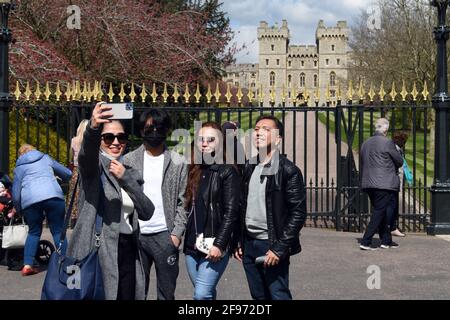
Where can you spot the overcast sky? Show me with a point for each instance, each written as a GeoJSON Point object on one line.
{"type": "Point", "coordinates": [302, 17]}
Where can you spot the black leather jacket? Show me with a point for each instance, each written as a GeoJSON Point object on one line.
{"type": "Point", "coordinates": [221, 200]}
{"type": "Point", "coordinates": [285, 207]}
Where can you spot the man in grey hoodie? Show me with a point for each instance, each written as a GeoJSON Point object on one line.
{"type": "Point", "coordinates": [380, 161]}
{"type": "Point", "coordinates": [165, 176]}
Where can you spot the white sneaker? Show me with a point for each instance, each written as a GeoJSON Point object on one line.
{"type": "Point", "coordinates": [363, 247]}
{"type": "Point", "coordinates": [393, 245]}
{"type": "Point", "coordinates": [397, 233]}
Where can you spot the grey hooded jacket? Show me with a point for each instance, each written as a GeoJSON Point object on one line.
{"type": "Point", "coordinates": [380, 162]}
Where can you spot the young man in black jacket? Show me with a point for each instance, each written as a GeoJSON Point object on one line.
{"type": "Point", "coordinates": [273, 212]}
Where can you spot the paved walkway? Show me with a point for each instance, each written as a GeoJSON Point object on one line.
{"type": "Point", "coordinates": [331, 266]}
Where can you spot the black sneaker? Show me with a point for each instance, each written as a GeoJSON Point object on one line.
{"type": "Point", "coordinates": [392, 245]}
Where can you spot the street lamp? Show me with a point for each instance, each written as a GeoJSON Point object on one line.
{"type": "Point", "coordinates": [5, 101]}
{"type": "Point", "coordinates": [440, 190]}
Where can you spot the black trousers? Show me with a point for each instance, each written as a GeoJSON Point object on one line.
{"type": "Point", "coordinates": [127, 255]}
{"type": "Point", "coordinates": [382, 201]}
{"type": "Point", "coordinates": [392, 214]}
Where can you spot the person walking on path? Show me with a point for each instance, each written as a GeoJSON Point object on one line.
{"type": "Point", "coordinates": [37, 195]}
{"type": "Point", "coordinates": [380, 161]}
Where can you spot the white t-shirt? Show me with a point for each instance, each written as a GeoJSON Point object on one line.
{"type": "Point", "coordinates": [153, 176]}
{"type": "Point", "coordinates": [127, 209]}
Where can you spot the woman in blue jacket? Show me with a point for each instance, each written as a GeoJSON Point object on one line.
{"type": "Point", "coordinates": [35, 191]}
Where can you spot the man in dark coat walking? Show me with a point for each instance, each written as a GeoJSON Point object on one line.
{"type": "Point", "coordinates": [380, 162]}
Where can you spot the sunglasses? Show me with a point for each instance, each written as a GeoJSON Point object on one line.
{"type": "Point", "coordinates": [109, 138]}
{"type": "Point", "coordinates": [206, 139]}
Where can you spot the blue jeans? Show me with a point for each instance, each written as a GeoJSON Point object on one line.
{"type": "Point", "coordinates": [34, 216]}
{"type": "Point", "coordinates": [205, 275]}
{"type": "Point", "coordinates": [270, 283]}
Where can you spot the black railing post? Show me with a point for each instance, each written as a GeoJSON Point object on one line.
{"type": "Point", "coordinates": [5, 100]}
{"type": "Point", "coordinates": [440, 190]}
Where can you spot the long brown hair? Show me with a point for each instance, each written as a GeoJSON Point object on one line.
{"type": "Point", "coordinates": [195, 170]}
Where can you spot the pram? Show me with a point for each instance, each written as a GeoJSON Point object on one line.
{"type": "Point", "coordinates": [13, 258]}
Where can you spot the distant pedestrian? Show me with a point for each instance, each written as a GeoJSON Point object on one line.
{"type": "Point", "coordinates": [380, 161]}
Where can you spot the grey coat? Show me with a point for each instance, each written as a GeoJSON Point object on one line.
{"type": "Point", "coordinates": [380, 162]}
{"type": "Point", "coordinates": [173, 186]}
{"type": "Point", "coordinates": [91, 166]}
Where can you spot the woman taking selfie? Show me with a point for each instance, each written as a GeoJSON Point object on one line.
{"type": "Point", "coordinates": [116, 192]}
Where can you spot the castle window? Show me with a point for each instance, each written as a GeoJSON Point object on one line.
{"type": "Point", "coordinates": [332, 47]}
{"type": "Point", "coordinates": [289, 80]}
{"type": "Point", "coordinates": [278, 62]}
{"type": "Point", "coordinates": [267, 62]}
{"type": "Point", "coordinates": [316, 84]}
{"type": "Point", "coordinates": [315, 63]}
{"type": "Point", "coordinates": [273, 47]}
{"type": "Point", "coordinates": [236, 75]}
{"type": "Point", "coordinates": [289, 63]}
{"type": "Point", "coordinates": [253, 84]}
{"type": "Point", "coordinates": [338, 61]}
{"type": "Point", "coordinates": [253, 75]}
{"type": "Point", "coordinates": [302, 80]}
{"type": "Point", "coordinates": [332, 79]}
{"type": "Point", "coordinates": [272, 79]}
{"type": "Point", "coordinates": [236, 84]}
{"type": "Point", "coordinates": [303, 63]}
{"type": "Point", "coordinates": [327, 61]}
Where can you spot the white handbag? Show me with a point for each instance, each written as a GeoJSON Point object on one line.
{"type": "Point", "coordinates": [14, 236]}
{"type": "Point", "coordinates": [203, 244]}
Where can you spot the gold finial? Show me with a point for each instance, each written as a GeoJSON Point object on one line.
{"type": "Point", "coordinates": [261, 94]}
{"type": "Point", "coordinates": [249, 93]}
{"type": "Point", "coordinates": [361, 91]}
{"type": "Point", "coordinates": [371, 92]}
{"type": "Point", "coordinates": [425, 92]}
{"type": "Point", "coordinates": [47, 92]}
{"type": "Point", "coordinates": [84, 92]}
{"type": "Point", "coordinates": [27, 92]}
{"type": "Point", "coordinates": [99, 95]}
{"type": "Point", "coordinates": [283, 94]}
{"type": "Point", "coordinates": [404, 92]}
{"type": "Point", "coordinates": [90, 92]}
{"type": "Point", "coordinates": [306, 96]}
{"type": "Point", "coordinates": [382, 93]}
{"type": "Point", "coordinates": [339, 93]}
{"type": "Point", "coordinates": [187, 94]}
{"type": "Point", "coordinates": [165, 95]}
{"type": "Point", "coordinates": [350, 91]}
{"type": "Point", "coordinates": [272, 94]}
{"type": "Point", "coordinates": [228, 95]}
{"type": "Point", "coordinates": [176, 94]}
{"type": "Point", "coordinates": [239, 95]}
{"type": "Point", "coordinates": [197, 94]}
{"type": "Point", "coordinates": [393, 91]}
{"type": "Point", "coordinates": [317, 94]}
{"type": "Point", "coordinates": [110, 93]}
{"type": "Point", "coordinates": [154, 95]}
{"type": "Point", "coordinates": [68, 93]}
{"type": "Point", "coordinates": [38, 92]}
{"type": "Point", "coordinates": [294, 93]}
{"type": "Point", "coordinates": [17, 92]}
{"type": "Point", "coordinates": [208, 94]}
{"type": "Point", "coordinates": [78, 90]}
{"type": "Point", "coordinates": [217, 94]}
{"type": "Point", "coordinates": [133, 93]}
{"type": "Point", "coordinates": [414, 92]}
{"type": "Point", "coordinates": [95, 90]}
{"type": "Point", "coordinates": [327, 93]}
{"type": "Point", "coordinates": [122, 93]}
{"type": "Point", "coordinates": [143, 93]}
{"type": "Point", "coordinates": [58, 92]}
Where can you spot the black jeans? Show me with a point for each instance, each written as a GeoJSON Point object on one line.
{"type": "Point", "coordinates": [270, 283]}
{"type": "Point", "coordinates": [381, 201]}
{"type": "Point", "coordinates": [127, 255]}
{"type": "Point", "coordinates": [392, 214]}
{"type": "Point", "coordinates": [159, 248]}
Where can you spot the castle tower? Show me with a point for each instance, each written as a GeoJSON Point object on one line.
{"type": "Point", "coordinates": [332, 46]}
{"type": "Point", "coordinates": [273, 47]}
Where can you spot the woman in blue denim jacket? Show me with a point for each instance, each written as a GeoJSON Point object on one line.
{"type": "Point", "coordinates": [35, 191]}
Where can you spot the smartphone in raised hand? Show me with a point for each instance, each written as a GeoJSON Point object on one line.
{"type": "Point", "coordinates": [121, 110]}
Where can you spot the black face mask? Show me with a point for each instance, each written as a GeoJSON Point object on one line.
{"type": "Point", "coordinates": [154, 138]}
